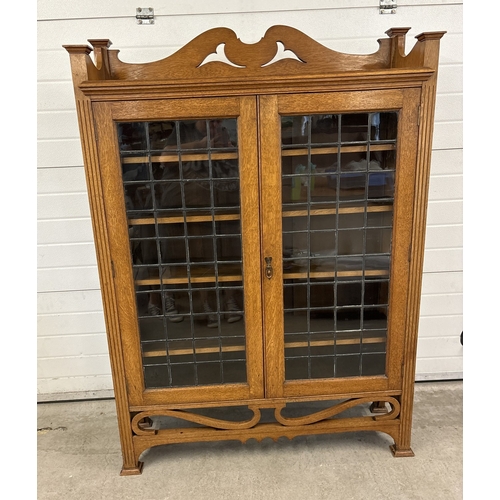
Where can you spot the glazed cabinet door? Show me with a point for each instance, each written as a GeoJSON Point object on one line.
{"type": "Point", "coordinates": [338, 171]}
{"type": "Point", "coordinates": [185, 247]}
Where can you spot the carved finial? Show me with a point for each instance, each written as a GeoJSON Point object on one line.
{"type": "Point", "coordinates": [99, 45]}
{"type": "Point", "coordinates": [400, 35]}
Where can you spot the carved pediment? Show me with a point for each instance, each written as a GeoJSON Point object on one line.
{"type": "Point", "coordinates": [283, 53]}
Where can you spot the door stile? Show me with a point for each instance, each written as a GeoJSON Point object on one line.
{"type": "Point", "coordinates": [116, 221]}
{"type": "Point", "coordinates": [402, 234]}
{"type": "Point", "coordinates": [250, 231]}
{"type": "Point", "coordinates": [272, 278]}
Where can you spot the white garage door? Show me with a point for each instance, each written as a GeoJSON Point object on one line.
{"type": "Point", "coordinates": [72, 349]}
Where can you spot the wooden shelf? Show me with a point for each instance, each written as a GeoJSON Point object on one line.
{"type": "Point", "coordinates": [207, 217]}
{"type": "Point", "coordinates": [177, 275]}
{"type": "Point", "coordinates": [335, 149]}
{"type": "Point", "coordinates": [174, 158]}
{"type": "Point", "coordinates": [178, 219]}
{"type": "Point", "coordinates": [334, 211]}
{"type": "Point", "coordinates": [343, 340]}
{"type": "Point", "coordinates": [288, 275]}
{"type": "Point", "coordinates": [322, 340]}
{"type": "Point", "coordinates": [189, 156]}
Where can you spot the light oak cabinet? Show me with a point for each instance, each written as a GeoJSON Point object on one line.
{"type": "Point", "coordinates": [259, 218]}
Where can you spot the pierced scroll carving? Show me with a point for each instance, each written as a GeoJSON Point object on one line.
{"type": "Point", "coordinates": [283, 53]}
{"type": "Point", "coordinates": [219, 56]}
{"type": "Point", "coordinates": [196, 418]}
{"type": "Point", "coordinates": [336, 410]}
{"type": "Point", "coordinates": [142, 425]}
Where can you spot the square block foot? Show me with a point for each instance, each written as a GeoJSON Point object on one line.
{"type": "Point", "coordinates": [401, 453]}
{"type": "Point", "coordinates": [134, 471]}
{"type": "Point", "coordinates": [378, 407]}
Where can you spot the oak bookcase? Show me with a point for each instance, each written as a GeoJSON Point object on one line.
{"type": "Point", "coordinates": [259, 218]}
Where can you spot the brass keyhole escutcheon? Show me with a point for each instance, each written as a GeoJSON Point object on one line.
{"type": "Point", "coordinates": [269, 267]}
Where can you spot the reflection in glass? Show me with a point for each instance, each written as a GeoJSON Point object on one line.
{"type": "Point", "coordinates": [338, 174]}
{"type": "Point", "coordinates": [181, 186]}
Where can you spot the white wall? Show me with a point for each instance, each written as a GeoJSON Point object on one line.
{"type": "Point", "coordinates": [72, 350]}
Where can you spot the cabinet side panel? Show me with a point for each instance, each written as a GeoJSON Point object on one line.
{"type": "Point", "coordinates": [94, 183]}
{"type": "Point", "coordinates": [417, 256]}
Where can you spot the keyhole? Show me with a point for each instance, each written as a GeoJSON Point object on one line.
{"type": "Point", "coordinates": [269, 267]}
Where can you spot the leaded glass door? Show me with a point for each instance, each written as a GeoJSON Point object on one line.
{"type": "Point", "coordinates": [339, 274]}
{"type": "Point", "coordinates": [186, 246]}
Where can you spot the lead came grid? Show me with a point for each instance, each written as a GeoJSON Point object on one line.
{"type": "Point", "coordinates": [181, 184]}
{"type": "Point", "coordinates": [338, 175]}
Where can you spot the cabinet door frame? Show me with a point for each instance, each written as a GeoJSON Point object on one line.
{"type": "Point", "coordinates": [271, 108]}
{"type": "Point", "coordinates": [129, 369]}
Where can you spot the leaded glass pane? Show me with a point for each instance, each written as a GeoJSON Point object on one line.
{"type": "Point", "coordinates": [338, 174]}
{"type": "Point", "coordinates": [181, 186]}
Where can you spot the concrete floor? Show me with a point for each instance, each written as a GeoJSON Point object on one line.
{"type": "Point", "coordinates": [79, 458]}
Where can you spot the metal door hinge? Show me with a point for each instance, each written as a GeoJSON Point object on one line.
{"type": "Point", "coordinates": [145, 15]}
{"type": "Point", "coordinates": [388, 7]}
